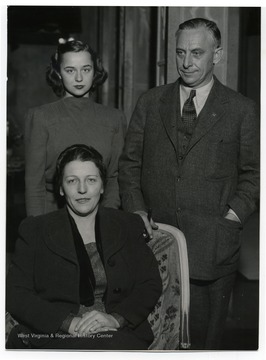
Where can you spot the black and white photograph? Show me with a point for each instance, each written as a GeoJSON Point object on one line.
{"type": "Point", "coordinates": [132, 179]}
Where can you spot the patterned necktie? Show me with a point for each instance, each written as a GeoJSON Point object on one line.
{"type": "Point", "coordinates": [189, 114]}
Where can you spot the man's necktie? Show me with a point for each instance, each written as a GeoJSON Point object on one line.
{"type": "Point", "coordinates": [189, 114]}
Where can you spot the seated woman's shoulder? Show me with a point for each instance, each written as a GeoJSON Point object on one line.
{"type": "Point", "coordinates": [40, 221]}
{"type": "Point", "coordinates": [122, 215]}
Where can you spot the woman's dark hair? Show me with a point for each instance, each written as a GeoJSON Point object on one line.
{"type": "Point", "coordinates": [196, 23]}
{"type": "Point", "coordinates": [78, 152]}
{"type": "Point", "coordinates": [53, 70]}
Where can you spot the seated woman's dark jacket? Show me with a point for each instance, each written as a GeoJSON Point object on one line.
{"type": "Point", "coordinates": [43, 279]}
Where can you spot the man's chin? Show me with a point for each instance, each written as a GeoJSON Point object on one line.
{"type": "Point", "coordinates": [187, 81]}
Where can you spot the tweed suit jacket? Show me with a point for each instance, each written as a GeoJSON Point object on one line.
{"type": "Point", "coordinates": [43, 280]}
{"type": "Point", "coordinates": [219, 170]}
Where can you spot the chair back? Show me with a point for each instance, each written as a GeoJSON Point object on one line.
{"type": "Point", "coordinates": [170, 317]}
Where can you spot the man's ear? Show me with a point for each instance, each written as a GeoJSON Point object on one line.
{"type": "Point", "coordinates": [218, 54]}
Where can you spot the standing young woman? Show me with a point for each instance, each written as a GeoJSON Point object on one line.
{"type": "Point", "coordinates": [74, 73]}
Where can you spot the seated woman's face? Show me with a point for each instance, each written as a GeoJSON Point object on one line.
{"type": "Point", "coordinates": [82, 187]}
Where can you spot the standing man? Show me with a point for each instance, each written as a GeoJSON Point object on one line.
{"type": "Point", "coordinates": [192, 156]}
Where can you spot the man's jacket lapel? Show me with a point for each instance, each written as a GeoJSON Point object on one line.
{"type": "Point", "coordinates": [169, 109]}
{"type": "Point", "coordinates": [211, 113]}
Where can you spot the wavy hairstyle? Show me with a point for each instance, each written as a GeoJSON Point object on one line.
{"type": "Point", "coordinates": [53, 70]}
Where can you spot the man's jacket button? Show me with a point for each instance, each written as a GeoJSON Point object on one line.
{"type": "Point", "coordinates": [111, 262]}
{"type": "Point", "coordinates": [117, 291]}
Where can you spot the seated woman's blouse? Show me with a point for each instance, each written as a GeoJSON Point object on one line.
{"type": "Point", "coordinates": [99, 277]}
{"type": "Point", "coordinates": [100, 280]}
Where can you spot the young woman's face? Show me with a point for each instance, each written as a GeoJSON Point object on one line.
{"type": "Point", "coordinates": [77, 72]}
{"type": "Point", "coordinates": [82, 187]}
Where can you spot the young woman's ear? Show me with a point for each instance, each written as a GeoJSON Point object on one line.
{"type": "Point", "coordinates": [61, 191]}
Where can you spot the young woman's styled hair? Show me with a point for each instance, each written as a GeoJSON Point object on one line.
{"type": "Point", "coordinates": [78, 152]}
{"type": "Point", "coordinates": [53, 70]}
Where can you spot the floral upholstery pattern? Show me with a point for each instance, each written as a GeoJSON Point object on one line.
{"type": "Point", "coordinates": [165, 318]}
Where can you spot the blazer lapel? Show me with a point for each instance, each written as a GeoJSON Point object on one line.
{"type": "Point", "coordinates": [212, 112]}
{"type": "Point", "coordinates": [60, 239]}
{"type": "Point", "coordinates": [112, 233]}
{"type": "Point", "coordinates": [169, 110]}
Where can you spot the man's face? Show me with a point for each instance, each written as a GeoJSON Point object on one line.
{"type": "Point", "coordinates": [195, 56]}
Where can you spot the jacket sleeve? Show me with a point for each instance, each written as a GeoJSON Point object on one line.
{"type": "Point", "coordinates": [22, 300]}
{"type": "Point", "coordinates": [245, 199]}
{"type": "Point", "coordinates": [111, 194]}
{"type": "Point", "coordinates": [131, 161]}
{"type": "Point", "coordinates": [147, 289]}
{"type": "Point", "coordinates": [36, 137]}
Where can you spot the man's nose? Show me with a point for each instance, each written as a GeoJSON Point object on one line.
{"type": "Point", "coordinates": [82, 189]}
{"type": "Point", "coordinates": [78, 76]}
{"type": "Point", "coordinates": [187, 61]}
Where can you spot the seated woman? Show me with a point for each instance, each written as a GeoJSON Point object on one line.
{"type": "Point", "coordinates": [82, 277]}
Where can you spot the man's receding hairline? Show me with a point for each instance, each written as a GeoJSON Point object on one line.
{"type": "Point", "coordinates": [203, 27]}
